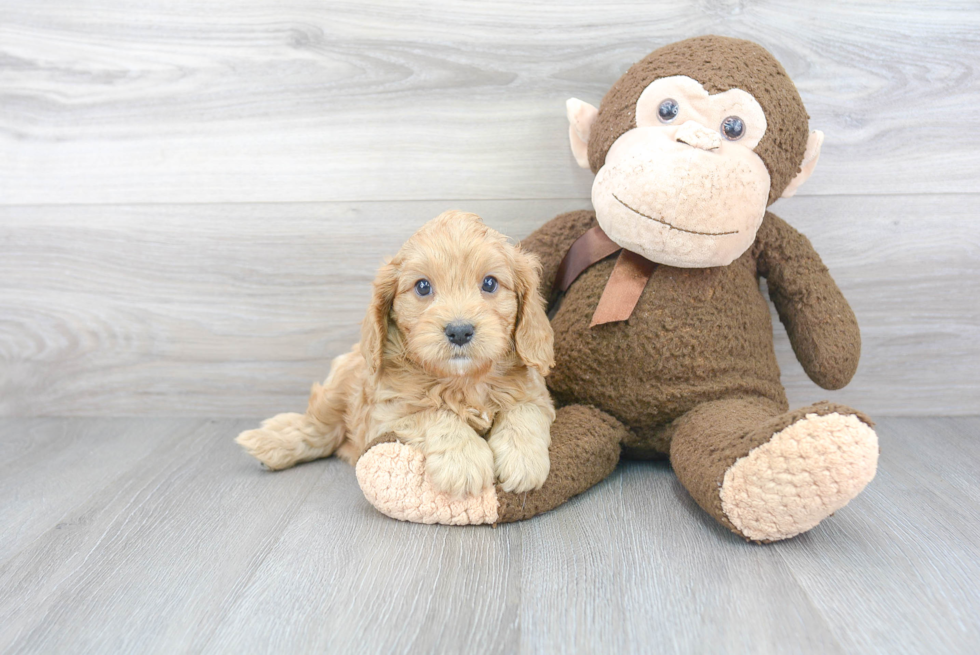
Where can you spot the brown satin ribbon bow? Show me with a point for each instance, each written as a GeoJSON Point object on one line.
{"type": "Point", "coordinates": [629, 276]}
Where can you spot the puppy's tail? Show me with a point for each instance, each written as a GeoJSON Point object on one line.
{"type": "Point", "coordinates": [288, 439]}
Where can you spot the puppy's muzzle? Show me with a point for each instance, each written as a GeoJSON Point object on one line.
{"type": "Point", "coordinates": [460, 334]}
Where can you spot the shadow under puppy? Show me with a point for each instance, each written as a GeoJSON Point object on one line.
{"type": "Point", "coordinates": [452, 359]}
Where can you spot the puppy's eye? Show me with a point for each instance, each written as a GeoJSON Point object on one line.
{"type": "Point", "coordinates": [489, 284]}
{"type": "Point", "coordinates": [423, 288]}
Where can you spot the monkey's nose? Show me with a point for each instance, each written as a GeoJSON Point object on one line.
{"type": "Point", "coordinates": [694, 134]}
{"type": "Point", "coordinates": [459, 334]}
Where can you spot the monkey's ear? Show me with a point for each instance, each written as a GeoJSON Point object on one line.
{"type": "Point", "coordinates": [374, 329]}
{"type": "Point", "coordinates": [581, 116]}
{"type": "Point", "coordinates": [810, 157]}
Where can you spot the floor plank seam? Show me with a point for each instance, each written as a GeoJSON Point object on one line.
{"type": "Point", "coordinates": [824, 619]}
{"type": "Point", "coordinates": [71, 512]}
{"type": "Point", "coordinates": [244, 584]}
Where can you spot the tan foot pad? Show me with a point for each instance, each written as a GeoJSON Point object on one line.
{"type": "Point", "coordinates": [805, 473]}
{"type": "Point", "coordinates": [392, 477]}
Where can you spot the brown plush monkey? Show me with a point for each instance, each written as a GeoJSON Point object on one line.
{"type": "Point", "coordinates": [665, 349]}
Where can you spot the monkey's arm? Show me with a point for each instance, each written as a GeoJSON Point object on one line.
{"type": "Point", "coordinates": [821, 325]}
{"type": "Point", "coordinates": [552, 240]}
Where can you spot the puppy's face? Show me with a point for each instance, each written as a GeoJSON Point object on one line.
{"type": "Point", "coordinates": [458, 298]}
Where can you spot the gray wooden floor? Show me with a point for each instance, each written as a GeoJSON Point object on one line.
{"type": "Point", "coordinates": [157, 535]}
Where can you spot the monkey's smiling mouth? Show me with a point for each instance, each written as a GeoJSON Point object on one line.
{"type": "Point", "coordinates": [673, 227]}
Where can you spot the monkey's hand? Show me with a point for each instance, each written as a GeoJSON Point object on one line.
{"type": "Point", "coordinates": [821, 325]}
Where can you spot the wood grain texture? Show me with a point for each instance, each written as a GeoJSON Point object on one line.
{"type": "Point", "coordinates": [302, 100]}
{"type": "Point", "coordinates": [52, 466]}
{"type": "Point", "coordinates": [343, 578]}
{"type": "Point", "coordinates": [231, 310]}
{"type": "Point", "coordinates": [922, 525]}
{"type": "Point", "coordinates": [193, 548]}
{"type": "Point", "coordinates": [154, 557]}
{"type": "Point", "coordinates": [650, 570]}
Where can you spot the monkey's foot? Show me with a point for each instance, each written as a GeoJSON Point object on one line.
{"type": "Point", "coordinates": [392, 477]}
{"type": "Point", "coordinates": [803, 474]}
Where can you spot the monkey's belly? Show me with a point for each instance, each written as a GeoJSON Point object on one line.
{"type": "Point", "coordinates": [695, 335]}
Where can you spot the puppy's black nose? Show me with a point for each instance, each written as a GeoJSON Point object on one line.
{"type": "Point", "coordinates": [459, 333]}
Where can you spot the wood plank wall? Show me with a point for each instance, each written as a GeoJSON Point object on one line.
{"type": "Point", "coordinates": [194, 196]}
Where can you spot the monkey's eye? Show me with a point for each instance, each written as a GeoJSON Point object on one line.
{"type": "Point", "coordinates": [423, 287]}
{"type": "Point", "coordinates": [733, 128]}
{"type": "Point", "coordinates": [668, 110]}
{"type": "Point", "coordinates": [489, 284]}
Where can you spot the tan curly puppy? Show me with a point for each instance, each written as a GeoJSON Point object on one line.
{"type": "Point", "coordinates": [452, 359]}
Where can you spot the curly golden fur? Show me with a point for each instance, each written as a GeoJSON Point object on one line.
{"type": "Point", "coordinates": [479, 410]}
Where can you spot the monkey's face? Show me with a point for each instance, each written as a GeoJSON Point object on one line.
{"type": "Point", "coordinates": [684, 187]}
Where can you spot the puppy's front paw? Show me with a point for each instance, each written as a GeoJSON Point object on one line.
{"type": "Point", "coordinates": [461, 471]}
{"type": "Point", "coordinates": [520, 464]}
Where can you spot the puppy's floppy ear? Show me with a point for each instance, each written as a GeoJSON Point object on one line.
{"type": "Point", "coordinates": [374, 329]}
{"type": "Point", "coordinates": [533, 336]}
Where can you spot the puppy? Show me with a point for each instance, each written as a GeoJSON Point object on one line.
{"type": "Point", "coordinates": [452, 359]}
